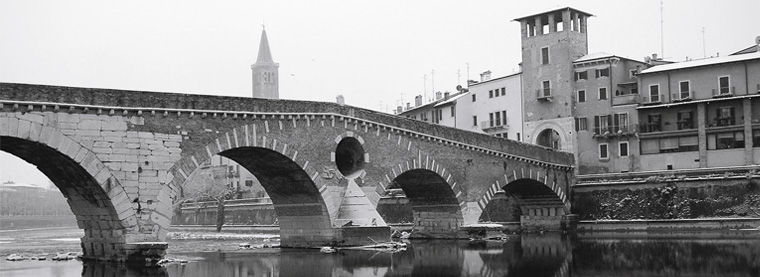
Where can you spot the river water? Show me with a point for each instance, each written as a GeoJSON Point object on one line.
{"type": "Point", "coordinates": [549, 254]}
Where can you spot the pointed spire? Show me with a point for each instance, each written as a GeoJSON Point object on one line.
{"type": "Point", "coordinates": [264, 54]}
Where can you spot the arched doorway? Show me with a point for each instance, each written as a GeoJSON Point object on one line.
{"type": "Point", "coordinates": [549, 138]}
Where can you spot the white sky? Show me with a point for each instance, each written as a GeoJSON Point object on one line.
{"type": "Point", "coordinates": [374, 53]}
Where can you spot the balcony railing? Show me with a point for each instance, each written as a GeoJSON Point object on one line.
{"type": "Point", "coordinates": [682, 96]}
{"type": "Point", "coordinates": [650, 127]}
{"type": "Point", "coordinates": [723, 92]}
{"type": "Point", "coordinates": [486, 125]}
{"type": "Point", "coordinates": [615, 130]}
{"type": "Point", "coordinates": [652, 99]}
{"type": "Point", "coordinates": [724, 121]}
{"type": "Point", "coordinates": [544, 94]}
{"type": "Point", "coordinates": [686, 125]}
{"type": "Point", "coordinates": [626, 99]}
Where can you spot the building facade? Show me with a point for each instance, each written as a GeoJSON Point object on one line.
{"type": "Point", "coordinates": [265, 73]}
{"type": "Point", "coordinates": [491, 106]}
{"type": "Point", "coordinates": [701, 113]}
{"type": "Point", "coordinates": [605, 99]}
{"type": "Point", "coordinates": [551, 41]}
{"type": "Point", "coordinates": [495, 107]}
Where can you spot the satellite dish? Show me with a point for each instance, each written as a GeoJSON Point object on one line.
{"type": "Point", "coordinates": [459, 87]}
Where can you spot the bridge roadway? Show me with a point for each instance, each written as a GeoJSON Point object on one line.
{"type": "Point", "coordinates": [122, 158]}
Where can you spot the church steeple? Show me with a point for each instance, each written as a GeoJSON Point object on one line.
{"type": "Point", "coordinates": [265, 72]}
{"type": "Point", "coordinates": [265, 55]}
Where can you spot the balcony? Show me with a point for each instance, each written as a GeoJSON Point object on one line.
{"type": "Point", "coordinates": [723, 92]}
{"type": "Point", "coordinates": [686, 125]}
{"type": "Point", "coordinates": [491, 125]}
{"type": "Point", "coordinates": [615, 130]}
{"type": "Point", "coordinates": [544, 94]}
{"type": "Point", "coordinates": [626, 99]}
{"type": "Point", "coordinates": [724, 121]}
{"type": "Point", "coordinates": [652, 99]}
{"type": "Point", "coordinates": [682, 96]}
{"type": "Point", "coordinates": [650, 127]}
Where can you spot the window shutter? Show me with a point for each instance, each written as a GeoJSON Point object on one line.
{"type": "Point", "coordinates": [596, 124]}
{"type": "Point", "coordinates": [617, 122]}
{"type": "Point", "coordinates": [577, 125]}
{"type": "Point", "coordinates": [733, 119]}
{"type": "Point", "coordinates": [609, 120]}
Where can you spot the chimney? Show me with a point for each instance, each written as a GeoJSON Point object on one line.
{"type": "Point", "coordinates": [485, 76]}
{"type": "Point", "coordinates": [408, 105]}
{"type": "Point", "coordinates": [398, 109]}
{"type": "Point", "coordinates": [418, 100]}
{"type": "Point", "coordinates": [341, 101]}
{"type": "Point", "coordinates": [654, 56]}
{"type": "Point", "coordinates": [438, 95]}
{"type": "Point", "coordinates": [446, 95]}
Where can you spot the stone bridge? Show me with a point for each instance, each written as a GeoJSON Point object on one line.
{"type": "Point", "coordinates": [122, 158]}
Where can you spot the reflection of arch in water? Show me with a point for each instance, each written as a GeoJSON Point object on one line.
{"type": "Point", "coordinates": [529, 255]}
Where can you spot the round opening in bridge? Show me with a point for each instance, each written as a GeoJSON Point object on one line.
{"type": "Point", "coordinates": [349, 156]}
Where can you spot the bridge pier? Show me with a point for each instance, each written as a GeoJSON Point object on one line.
{"type": "Point", "coordinates": [435, 223]}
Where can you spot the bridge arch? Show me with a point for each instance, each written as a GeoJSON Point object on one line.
{"type": "Point", "coordinates": [101, 205]}
{"type": "Point", "coordinates": [297, 192]}
{"type": "Point", "coordinates": [538, 194]}
{"type": "Point", "coordinates": [437, 207]}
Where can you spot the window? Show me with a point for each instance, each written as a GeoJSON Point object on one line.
{"type": "Point", "coordinates": [604, 72]}
{"type": "Point", "coordinates": [623, 149]}
{"type": "Point", "coordinates": [490, 94]}
{"type": "Point", "coordinates": [725, 116]}
{"type": "Point", "coordinates": [653, 123]}
{"type": "Point", "coordinates": [503, 91]}
{"type": "Point", "coordinates": [633, 73]}
{"type": "Point", "coordinates": [634, 90]}
{"type": "Point", "coordinates": [602, 123]}
{"type": "Point", "coordinates": [545, 55]}
{"type": "Point", "coordinates": [683, 89]}
{"type": "Point", "coordinates": [453, 111]}
{"type": "Point", "coordinates": [685, 120]}
{"type": "Point", "coordinates": [518, 137]}
{"type": "Point", "coordinates": [581, 124]}
{"type": "Point", "coordinates": [490, 117]}
{"type": "Point", "coordinates": [602, 93]}
{"type": "Point", "coordinates": [621, 122]}
{"type": "Point", "coordinates": [725, 140]}
{"type": "Point", "coordinates": [724, 85]}
{"type": "Point", "coordinates": [504, 117]}
{"type": "Point", "coordinates": [603, 151]}
{"type": "Point", "coordinates": [654, 93]}
{"type": "Point", "coordinates": [546, 89]}
{"type": "Point", "coordinates": [473, 97]}
{"type": "Point", "coordinates": [248, 183]}
{"type": "Point", "coordinates": [582, 75]}
{"type": "Point", "coordinates": [498, 118]}
{"type": "Point", "coordinates": [755, 138]}
{"type": "Point", "coordinates": [581, 96]}
{"type": "Point", "coordinates": [474, 120]}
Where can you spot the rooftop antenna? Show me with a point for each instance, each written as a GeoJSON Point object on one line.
{"type": "Point", "coordinates": [662, 31]}
{"type": "Point", "coordinates": [468, 74]}
{"type": "Point", "coordinates": [704, 52]}
{"type": "Point", "coordinates": [459, 77]}
{"type": "Point", "coordinates": [424, 87]}
{"type": "Point", "coordinates": [432, 79]}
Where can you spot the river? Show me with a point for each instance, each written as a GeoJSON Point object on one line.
{"type": "Point", "coordinates": [549, 254]}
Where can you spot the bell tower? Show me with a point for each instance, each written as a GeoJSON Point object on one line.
{"type": "Point", "coordinates": [265, 73]}
{"type": "Point", "coordinates": [551, 41]}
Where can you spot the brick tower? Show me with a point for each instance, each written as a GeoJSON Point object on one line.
{"type": "Point", "coordinates": [265, 72]}
{"type": "Point", "coordinates": [551, 41]}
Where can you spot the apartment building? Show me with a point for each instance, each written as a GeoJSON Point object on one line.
{"type": "Point", "coordinates": [701, 113]}
{"type": "Point", "coordinates": [606, 122]}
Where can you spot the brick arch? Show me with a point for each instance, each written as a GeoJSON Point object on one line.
{"type": "Point", "coordinates": [538, 176]}
{"type": "Point", "coordinates": [245, 141]}
{"type": "Point", "coordinates": [100, 203]}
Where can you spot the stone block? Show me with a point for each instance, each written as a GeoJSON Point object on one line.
{"type": "Point", "coordinates": [24, 127]}
{"type": "Point", "coordinates": [89, 125]}
{"type": "Point", "coordinates": [4, 127]}
{"type": "Point", "coordinates": [114, 126]}
{"type": "Point", "coordinates": [34, 117]}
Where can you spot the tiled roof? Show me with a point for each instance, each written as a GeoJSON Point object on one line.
{"type": "Point", "coordinates": [702, 62]}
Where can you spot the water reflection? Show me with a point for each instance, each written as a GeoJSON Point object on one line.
{"type": "Point", "coordinates": [527, 255]}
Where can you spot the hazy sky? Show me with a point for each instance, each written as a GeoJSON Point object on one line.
{"type": "Point", "coordinates": [376, 54]}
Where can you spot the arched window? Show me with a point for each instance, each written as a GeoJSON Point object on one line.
{"type": "Point", "coordinates": [549, 138]}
